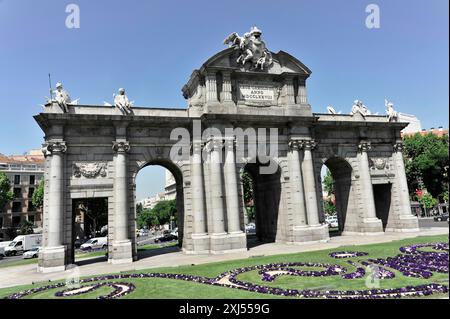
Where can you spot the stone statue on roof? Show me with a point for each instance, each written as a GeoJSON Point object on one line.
{"type": "Point", "coordinates": [392, 114]}
{"type": "Point", "coordinates": [251, 48]}
{"type": "Point", "coordinates": [121, 101]}
{"type": "Point", "coordinates": [359, 107]}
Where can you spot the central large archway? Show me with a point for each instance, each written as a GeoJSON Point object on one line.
{"type": "Point", "coordinates": [178, 176]}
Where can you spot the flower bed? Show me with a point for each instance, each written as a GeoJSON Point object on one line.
{"type": "Point", "coordinates": [412, 263]}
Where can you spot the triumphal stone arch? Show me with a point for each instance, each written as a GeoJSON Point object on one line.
{"type": "Point", "coordinates": [96, 151]}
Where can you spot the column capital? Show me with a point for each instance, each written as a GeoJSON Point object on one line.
{"type": "Point", "coordinates": [214, 144]}
{"type": "Point", "coordinates": [121, 146]}
{"type": "Point", "coordinates": [230, 142]}
{"type": "Point", "coordinates": [54, 147]}
{"type": "Point", "coordinates": [295, 145]}
{"type": "Point", "coordinates": [197, 146]}
{"type": "Point", "coordinates": [398, 147]}
{"type": "Point", "coordinates": [364, 146]}
{"type": "Point", "coordinates": [309, 145]}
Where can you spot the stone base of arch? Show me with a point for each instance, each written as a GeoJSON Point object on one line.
{"type": "Point", "coordinates": [52, 259]}
{"type": "Point", "coordinates": [368, 226]}
{"type": "Point", "coordinates": [403, 224]}
{"type": "Point", "coordinates": [121, 252]}
{"type": "Point", "coordinates": [309, 234]}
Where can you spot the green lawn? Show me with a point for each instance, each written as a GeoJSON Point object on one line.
{"type": "Point", "coordinates": [172, 288]}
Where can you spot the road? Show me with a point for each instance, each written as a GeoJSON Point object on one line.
{"type": "Point", "coordinates": [429, 223]}
{"type": "Point", "coordinates": [424, 223]}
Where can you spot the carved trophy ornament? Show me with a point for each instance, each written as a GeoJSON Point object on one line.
{"type": "Point", "coordinates": [89, 170]}
{"type": "Point", "coordinates": [251, 48]}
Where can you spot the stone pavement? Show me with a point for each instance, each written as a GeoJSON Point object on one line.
{"type": "Point", "coordinates": [27, 274]}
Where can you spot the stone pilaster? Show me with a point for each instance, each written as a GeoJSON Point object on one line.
{"type": "Point", "coordinates": [121, 244]}
{"type": "Point", "coordinates": [288, 91]}
{"type": "Point", "coordinates": [226, 88]}
{"type": "Point", "coordinates": [211, 88]}
{"type": "Point", "coordinates": [302, 93]}
{"type": "Point", "coordinates": [52, 256]}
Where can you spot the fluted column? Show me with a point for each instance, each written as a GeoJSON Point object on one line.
{"type": "Point", "coordinates": [312, 209]}
{"type": "Point", "coordinates": [56, 193]}
{"type": "Point", "coordinates": [121, 192]}
{"type": "Point", "coordinates": [216, 186]}
{"type": "Point", "coordinates": [366, 182]}
{"type": "Point", "coordinates": [296, 181]}
{"type": "Point", "coordinates": [231, 188]}
{"type": "Point", "coordinates": [400, 175]}
{"type": "Point", "coordinates": [198, 198]}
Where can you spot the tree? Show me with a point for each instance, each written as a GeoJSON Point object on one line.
{"type": "Point", "coordinates": [249, 203]}
{"type": "Point", "coordinates": [38, 195]}
{"type": "Point", "coordinates": [328, 183]}
{"type": "Point", "coordinates": [159, 215]}
{"type": "Point", "coordinates": [427, 160]}
{"type": "Point", "coordinates": [6, 194]}
{"type": "Point", "coordinates": [26, 228]}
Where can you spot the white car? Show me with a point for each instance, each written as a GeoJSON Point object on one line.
{"type": "Point", "coordinates": [332, 221]}
{"type": "Point", "coordinates": [95, 243]}
{"type": "Point", "coordinates": [33, 253]}
{"type": "Point", "coordinates": [250, 228]}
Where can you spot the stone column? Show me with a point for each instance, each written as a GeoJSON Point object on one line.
{"type": "Point", "coordinates": [366, 181]}
{"type": "Point", "coordinates": [197, 186]}
{"type": "Point", "coordinates": [231, 188]}
{"type": "Point", "coordinates": [296, 182]}
{"type": "Point", "coordinates": [216, 186]}
{"type": "Point", "coordinates": [53, 254]}
{"type": "Point", "coordinates": [121, 243]}
{"type": "Point", "coordinates": [407, 221]}
{"type": "Point", "coordinates": [310, 184]}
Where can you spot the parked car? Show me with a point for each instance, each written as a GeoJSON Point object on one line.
{"type": "Point", "coordinates": [443, 217]}
{"type": "Point", "coordinates": [166, 237]}
{"type": "Point", "coordinates": [95, 243]}
{"type": "Point", "coordinates": [78, 242]}
{"type": "Point", "coordinates": [332, 221]}
{"type": "Point", "coordinates": [32, 253]}
{"type": "Point", "coordinates": [250, 228]}
{"type": "Point", "coordinates": [3, 244]}
{"type": "Point", "coordinates": [23, 243]}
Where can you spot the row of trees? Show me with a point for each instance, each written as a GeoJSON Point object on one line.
{"type": "Point", "coordinates": [426, 165]}
{"type": "Point", "coordinates": [163, 213]}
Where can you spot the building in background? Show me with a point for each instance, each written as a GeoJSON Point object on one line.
{"type": "Point", "coordinates": [169, 193]}
{"type": "Point", "coordinates": [170, 188]}
{"type": "Point", "coordinates": [440, 131]}
{"type": "Point", "coordinates": [24, 172]}
{"type": "Point", "coordinates": [414, 125]}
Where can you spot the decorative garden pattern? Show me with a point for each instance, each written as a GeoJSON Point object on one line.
{"type": "Point", "coordinates": [420, 261]}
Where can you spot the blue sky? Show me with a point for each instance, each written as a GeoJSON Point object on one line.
{"type": "Point", "coordinates": [151, 48]}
